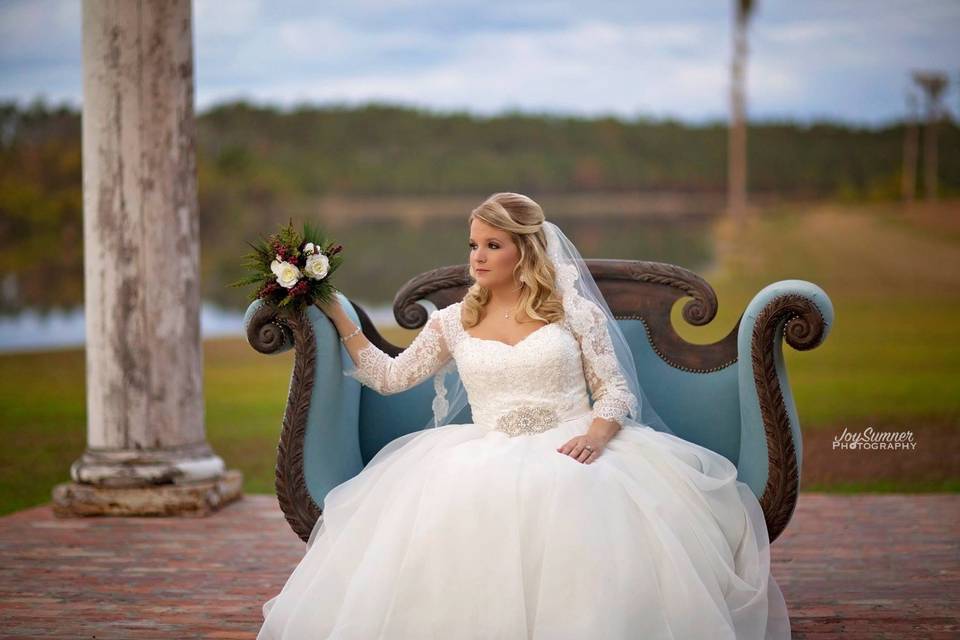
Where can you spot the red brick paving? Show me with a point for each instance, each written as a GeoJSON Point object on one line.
{"type": "Point", "coordinates": [867, 566]}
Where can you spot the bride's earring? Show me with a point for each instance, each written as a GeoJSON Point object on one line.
{"type": "Point", "coordinates": [522, 282]}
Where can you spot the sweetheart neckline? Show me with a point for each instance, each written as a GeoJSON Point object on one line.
{"type": "Point", "coordinates": [510, 346]}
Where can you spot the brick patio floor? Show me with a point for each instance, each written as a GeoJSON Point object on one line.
{"type": "Point", "coordinates": [870, 566]}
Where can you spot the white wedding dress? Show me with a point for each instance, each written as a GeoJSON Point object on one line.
{"type": "Point", "coordinates": [486, 531]}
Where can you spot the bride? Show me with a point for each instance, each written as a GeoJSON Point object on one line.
{"type": "Point", "coordinates": [546, 517]}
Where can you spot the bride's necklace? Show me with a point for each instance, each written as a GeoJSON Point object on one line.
{"type": "Point", "coordinates": [506, 314]}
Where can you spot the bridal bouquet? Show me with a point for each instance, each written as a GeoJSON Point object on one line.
{"type": "Point", "coordinates": [291, 268]}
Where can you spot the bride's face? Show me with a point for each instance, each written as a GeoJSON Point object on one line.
{"type": "Point", "coordinates": [493, 255]}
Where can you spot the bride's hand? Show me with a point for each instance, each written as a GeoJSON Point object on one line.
{"type": "Point", "coordinates": [576, 448]}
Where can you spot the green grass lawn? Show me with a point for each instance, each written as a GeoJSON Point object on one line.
{"type": "Point", "coordinates": [891, 355]}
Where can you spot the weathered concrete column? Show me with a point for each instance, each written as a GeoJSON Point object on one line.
{"type": "Point", "coordinates": [146, 445]}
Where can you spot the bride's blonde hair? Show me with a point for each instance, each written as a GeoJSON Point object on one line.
{"type": "Point", "coordinates": [522, 218]}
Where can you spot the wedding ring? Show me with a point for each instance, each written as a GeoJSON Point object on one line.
{"type": "Point", "coordinates": [588, 448]}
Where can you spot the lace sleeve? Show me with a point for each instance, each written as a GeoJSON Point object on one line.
{"type": "Point", "coordinates": [426, 355]}
{"type": "Point", "coordinates": [612, 398]}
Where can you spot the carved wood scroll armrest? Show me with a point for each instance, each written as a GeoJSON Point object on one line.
{"type": "Point", "coordinates": [801, 313]}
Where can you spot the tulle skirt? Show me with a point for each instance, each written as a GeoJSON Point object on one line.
{"type": "Point", "coordinates": [461, 532]}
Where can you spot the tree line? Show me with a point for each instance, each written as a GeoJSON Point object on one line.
{"type": "Point", "coordinates": [262, 162]}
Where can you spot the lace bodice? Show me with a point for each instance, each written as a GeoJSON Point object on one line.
{"type": "Point", "coordinates": [552, 367]}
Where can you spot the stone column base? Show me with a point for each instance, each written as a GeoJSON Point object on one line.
{"type": "Point", "coordinates": [199, 498]}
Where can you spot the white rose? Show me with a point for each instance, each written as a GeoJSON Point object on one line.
{"type": "Point", "coordinates": [317, 266]}
{"type": "Point", "coordinates": [287, 274]}
{"type": "Point", "coordinates": [309, 248]}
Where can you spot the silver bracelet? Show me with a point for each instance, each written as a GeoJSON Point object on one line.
{"type": "Point", "coordinates": [345, 338]}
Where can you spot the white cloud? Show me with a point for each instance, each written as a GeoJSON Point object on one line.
{"type": "Point", "coordinates": [41, 28]}
{"type": "Point", "coordinates": [214, 19]}
{"type": "Point", "coordinates": [589, 67]}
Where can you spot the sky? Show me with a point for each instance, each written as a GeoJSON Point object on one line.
{"type": "Point", "coordinates": [842, 60]}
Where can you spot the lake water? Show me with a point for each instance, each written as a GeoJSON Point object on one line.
{"type": "Point", "coordinates": [381, 256]}
{"type": "Point", "coordinates": [64, 329]}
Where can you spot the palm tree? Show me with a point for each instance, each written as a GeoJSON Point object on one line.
{"type": "Point", "coordinates": [933, 84]}
{"type": "Point", "coordinates": [737, 139]}
{"type": "Point", "coordinates": [908, 185]}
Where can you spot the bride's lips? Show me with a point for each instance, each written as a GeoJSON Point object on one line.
{"type": "Point", "coordinates": [481, 270]}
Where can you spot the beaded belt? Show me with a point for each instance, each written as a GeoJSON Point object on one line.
{"type": "Point", "coordinates": [526, 420]}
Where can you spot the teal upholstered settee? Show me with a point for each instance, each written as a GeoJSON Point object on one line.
{"type": "Point", "coordinates": [731, 396]}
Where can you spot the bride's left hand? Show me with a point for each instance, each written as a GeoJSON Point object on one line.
{"type": "Point", "coordinates": [576, 448]}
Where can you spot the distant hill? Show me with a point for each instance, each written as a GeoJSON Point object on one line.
{"type": "Point", "coordinates": [261, 165]}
